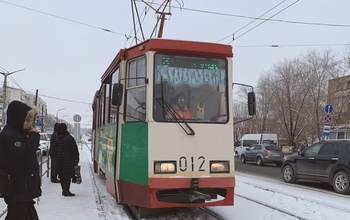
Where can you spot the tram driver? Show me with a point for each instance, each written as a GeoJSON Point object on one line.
{"type": "Point", "coordinates": [179, 108]}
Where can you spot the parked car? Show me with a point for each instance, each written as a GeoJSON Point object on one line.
{"type": "Point", "coordinates": [325, 161]}
{"type": "Point", "coordinates": [263, 153]}
{"type": "Point", "coordinates": [44, 143]}
{"type": "Point", "coordinates": [248, 140]}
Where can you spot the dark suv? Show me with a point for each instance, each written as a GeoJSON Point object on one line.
{"type": "Point", "coordinates": [263, 153]}
{"type": "Point", "coordinates": [325, 161]}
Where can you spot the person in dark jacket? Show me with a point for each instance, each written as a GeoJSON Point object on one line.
{"type": "Point", "coordinates": [19, 142]}
{"type": "Point", "coordinates": [67, 158]}
{"type": "Point", "coordinates": [53, 155]}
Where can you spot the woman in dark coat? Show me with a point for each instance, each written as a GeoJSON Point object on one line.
{"type": "Point", "coordinates": [19, 141]}
{"type": "Point", "coordinates": [67, 158]}
{"type": "Point", "coordinates": [53, 155]}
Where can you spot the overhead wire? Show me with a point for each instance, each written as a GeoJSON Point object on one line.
{"type": "Point", "coordinates": [185, 9]}
{"type": "Point", "coordinates": [293, 45]}
{"type": "Point", "coordinates": [63, 18]}
{"type": "Point", "coordinates": [256, 18]}
{"type": "Point", "coordinates": [263, 21]}
{"type": "Point", "coordinates": [252, 21]}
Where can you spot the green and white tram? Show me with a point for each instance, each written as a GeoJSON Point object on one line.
{"type": "Point", "coordinates": [153, 152]}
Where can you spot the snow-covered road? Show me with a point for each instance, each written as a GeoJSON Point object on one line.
{"type": "Point", "coordinates": [256, 198]}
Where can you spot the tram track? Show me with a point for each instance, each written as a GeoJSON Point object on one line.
{"type": "Point", "coordinates": [296, 197]}
{"type": "Point", "coordinates": [211, 213]}
{"type": "Point", "coordinates": [271, 207]}
{"type": "Point", "coordinates": [186, 213]}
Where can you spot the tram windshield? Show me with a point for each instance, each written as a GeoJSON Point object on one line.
{"type": "Point", "coordinates": [190, 89]}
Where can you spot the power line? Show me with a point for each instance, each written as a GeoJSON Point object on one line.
{"type": "Point", "coordinates": [188, 9]}
{"type": "Point", "coordinates": [264, 21]}
{"type": "Point", "coordinates": [67, 100]}
{"type": "Point", "coordinates": [256, 18]}
{"type": "Point", "coordinates": [253, 20]}
{"type": "Point", "coordinates": [293, 45]}
{"type": "Point", "coordinates": [66, 19]}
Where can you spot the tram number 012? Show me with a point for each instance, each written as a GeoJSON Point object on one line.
{"type": "Point", "coordinates": [185, 164]}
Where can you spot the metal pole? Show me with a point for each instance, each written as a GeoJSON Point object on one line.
{"type": "Point", "coordinates": [57, 113]}
{"type": "Point", "coordinates": [4, 94]}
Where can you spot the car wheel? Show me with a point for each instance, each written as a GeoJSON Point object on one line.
{"type": "Point", "coordinates": [341, 182]}
{"type": "Point", "coordinates": [259, 161]}
{"type": "Point", "coordinates": [288, 174]}
{"type": "Point", "coordinates": [243, 160]}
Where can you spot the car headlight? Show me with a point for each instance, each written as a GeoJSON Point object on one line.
{"type": "Point", "coordinates": [162, 167]}
{"type": "Point", "coordinates": [220, 166]}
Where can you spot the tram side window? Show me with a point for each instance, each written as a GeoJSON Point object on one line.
{"type": "Point", "coordinates": [102, 106]}
{"type": "Point", "coordinates": [113, 108]}
{"type": "Point", "coordinates": [136, 91]}
{"type": "Point", "coordinates": [107, 103]}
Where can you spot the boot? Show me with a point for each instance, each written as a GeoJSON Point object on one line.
{"type": "Point", "coordinates": [67, 185]}
{"type": "Point", "coordinates": [63, 186]}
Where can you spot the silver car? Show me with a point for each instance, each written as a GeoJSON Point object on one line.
{"type": "Point", "coordinates": [44, 143]}
{"type": "Point", "coordinates": [263, 153]}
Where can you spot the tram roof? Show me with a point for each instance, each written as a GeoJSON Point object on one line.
{"type": "Point", "coordinates": [168, 45]}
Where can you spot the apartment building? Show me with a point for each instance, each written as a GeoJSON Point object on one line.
{"type": "Point", "coordinates": [339, 97]}
{"type": "Point", "coordinates": [20, 95]}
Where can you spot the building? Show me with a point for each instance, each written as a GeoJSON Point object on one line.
{"type": "Point", "coordinates": [29, 99]}
{"type": "Point", "coordinates": [339, 97]}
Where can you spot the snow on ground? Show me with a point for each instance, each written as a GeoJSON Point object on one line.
{"type": "Point", "coordinates": [255, 198]}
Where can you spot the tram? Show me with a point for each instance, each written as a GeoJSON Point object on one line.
{"type": "Point", "coordinates": [151, 155]}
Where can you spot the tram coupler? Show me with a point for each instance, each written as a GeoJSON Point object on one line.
{"type": "Point", "coordinates": [195, 194]}
{"type": "Point", "coordinates": [194, 183]}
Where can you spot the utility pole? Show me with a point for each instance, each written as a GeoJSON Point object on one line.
{"type": "Point", "coordinates": [4, 105]}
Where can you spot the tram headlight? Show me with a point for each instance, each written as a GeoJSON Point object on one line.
{"type": "Point", "coordinates": [220, 166]}
{"type": "Point", "coordinates": [162, 167]}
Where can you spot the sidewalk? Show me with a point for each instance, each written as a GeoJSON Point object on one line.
{"type": "Point", "coordinates": [91, 200]}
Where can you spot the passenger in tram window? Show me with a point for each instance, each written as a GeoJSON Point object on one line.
{"type": "Point", "coordinates": [19, 142]}
{"type": "Point", "coordinates": [67, 158]}
{"type": "Point", "coordinates": [180, 107]}
{"type": "Point", "coordinates": [53, 155]}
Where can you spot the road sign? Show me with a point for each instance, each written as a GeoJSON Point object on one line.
{"type": "Point", "coordinates": [326, 129]}
{"type": "Point", "coordinates": [77, 118]}
{"type": "Point", "coordinates": [328, 108]}
{"type": "Point", "coordinates": [328, 118]}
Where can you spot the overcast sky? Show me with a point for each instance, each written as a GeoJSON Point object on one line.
{"type": "Point", "coordinates": [64, 49]}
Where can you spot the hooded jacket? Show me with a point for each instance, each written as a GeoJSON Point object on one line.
{"type": "Point", "coordinates": [67, 153]}
{"type": "Point", "coordinates": [18, 149]}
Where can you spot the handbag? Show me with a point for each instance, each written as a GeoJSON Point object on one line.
{"type": "Point", "coordinates": [6, 184]}
{"type": "Point", "coordinates": [77, 175]}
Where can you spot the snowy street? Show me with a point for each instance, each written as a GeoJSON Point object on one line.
{"type": "Point", "coordinates": [255, 198]}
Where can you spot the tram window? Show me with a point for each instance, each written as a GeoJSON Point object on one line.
{"type": "Point", "coordinates": [136, 91]}
{"type": "Point", "coordinates": [203, 81]}
{"type": "Point", "coordinates": [113, 110]}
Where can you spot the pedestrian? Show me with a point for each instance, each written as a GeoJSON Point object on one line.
{"type": "Point", "coordinates": [53, 155]}
{"type": "Point", "coordinates": [67, 158]}
{"type": "Point", "coordinates": [19, 142]}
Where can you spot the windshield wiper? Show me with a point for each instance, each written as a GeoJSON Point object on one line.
{"type": "Point", "coordinates": [169, 110]}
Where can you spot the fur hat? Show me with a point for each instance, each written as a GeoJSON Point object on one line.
{"type": "Point", "coordinates": [30, 117]}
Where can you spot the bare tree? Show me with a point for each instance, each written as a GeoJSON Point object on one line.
{"type": "Point", "coordinates": [293, 93]}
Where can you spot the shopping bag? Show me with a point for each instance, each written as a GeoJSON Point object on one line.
{"type": "Point", "coordinates": [77, 177]}
{"type": "Point", "coordinates": [6, 184]}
